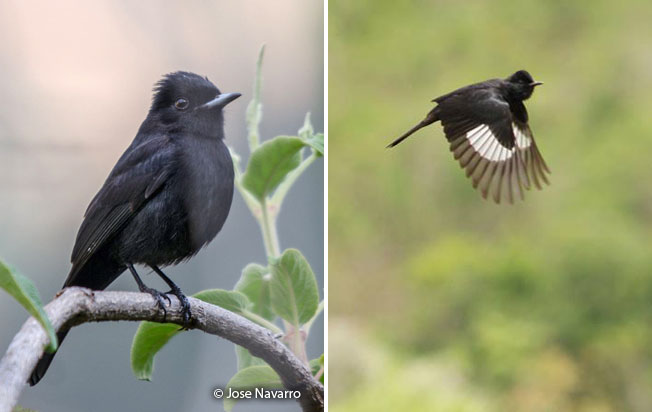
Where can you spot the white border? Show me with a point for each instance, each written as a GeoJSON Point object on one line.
{"type": "Point", "coordinates": [326, 159]}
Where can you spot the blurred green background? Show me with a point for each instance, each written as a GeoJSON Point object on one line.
{"type": "Point", "coordinates": [441, 301]}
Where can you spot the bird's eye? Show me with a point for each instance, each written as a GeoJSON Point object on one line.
{"type": "Point", "coordinates": [181, 103]}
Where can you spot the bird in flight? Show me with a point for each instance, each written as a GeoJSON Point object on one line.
{"type": "Point", "coordinates": [486, 125]}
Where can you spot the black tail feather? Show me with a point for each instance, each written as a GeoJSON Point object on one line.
{"type": "Point", "coordinates": [97, 273]}
{"type": "Point", "coordinates": [430, 118]}
{"type": "Point", "coordinates": [44, 363]}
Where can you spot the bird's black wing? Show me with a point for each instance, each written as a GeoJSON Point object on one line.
{"type": "Point", "coordinates": [492, 143]}
{"type": "Point", "coordinates": [137, 176]}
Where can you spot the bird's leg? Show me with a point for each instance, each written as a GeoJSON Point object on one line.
{"type": "Point", "coordinates": [155, 293]}
{"type": "Point", "coordinates": [176, 291]}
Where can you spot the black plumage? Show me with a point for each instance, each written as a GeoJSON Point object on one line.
{"type": "Point", "coordinates": [168, 195]}
{"type": "Point", "coordinates": [486, 125]}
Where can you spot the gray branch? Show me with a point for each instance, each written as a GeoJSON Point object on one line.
{"type": "Point", "coordinates": [74, 306]}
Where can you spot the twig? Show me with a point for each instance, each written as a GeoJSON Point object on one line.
{"type": "Point", "coordinates": [76, 305]}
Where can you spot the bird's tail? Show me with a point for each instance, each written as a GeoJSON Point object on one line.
{"type": "Point", "coordinates": [97, 273]}
{"type": "Point", "coordinates": [44, 363]}
{"type": "Point", "coordinates": [432, 117]}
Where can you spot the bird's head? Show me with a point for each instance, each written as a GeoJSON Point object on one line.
{"type": "Point", "coordinates": [185, 101]}
{"type": "Point", "coordinates": [522, 84]}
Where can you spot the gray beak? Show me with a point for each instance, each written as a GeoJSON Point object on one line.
{"type": "Point", "coordinates": [221, 100]}
{"type": "Point", "coordinates": [536, 84]}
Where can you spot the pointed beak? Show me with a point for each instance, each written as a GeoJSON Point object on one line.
{"type": "Point", "coordinates": [221, 100]}
{"type": "Point", "coordinates": [533, 84]}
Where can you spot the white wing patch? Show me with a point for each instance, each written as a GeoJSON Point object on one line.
{"type": "Point", "coordinates": [495, 169]}
{"type": "Point", "coordinates": [487, 145]}
{"type": "Point", "coordinates": [522, 141]}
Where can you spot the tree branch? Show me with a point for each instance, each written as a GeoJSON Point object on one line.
{"type": "Point", "coordinates": [74, 306]}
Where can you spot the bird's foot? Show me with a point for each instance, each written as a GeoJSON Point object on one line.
{"type": "Point", "coordinates": [176, 291]}
{"type": "Point", "coordinates": [158, 296]}
{"type": "Point", "coordinates": [185, 305]}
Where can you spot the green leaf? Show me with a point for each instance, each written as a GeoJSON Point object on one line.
{"type": "Point", "coordinates": [254, 283]}
{"type": "Point", "coordinates": [293, 288]}
{"type": "Point", "coordinates": [307, 133]}
{"type": "Point", "coordinates": [234, 301]}
{"type": "Point", "coordinates": [24, 291]}
{"type": "Point", "coordinates": [148, 340]}
{"type": "Point", "coordinates": [255, 108]}
{"type": "Point", "coordinates": [260, 376]}
{"type": "Point", "coordinates": [308, 325]}
{"type": "Point", "coordinates": [317, 143]}
{"type": "Point", "coordinates": [270, 163]}
{"type": "Point", "coordinates": [246, 359]}
{"type": "Point", "coordinates": [19, 408]}
{"type": "Point", "coordinates": [151, 336]}
{"type": "Point", "coordinates": [317, 365]}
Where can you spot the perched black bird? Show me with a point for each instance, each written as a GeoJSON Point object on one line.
{"type": "Point", "coordinates": [167, 197]}
{"type": "Point", "coordinates": [486, 125]}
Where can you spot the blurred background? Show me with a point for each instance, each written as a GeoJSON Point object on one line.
{"type": "Point", "coordinates": [441, 301]}
{"type": "Point", "coordinates": [76, 80]}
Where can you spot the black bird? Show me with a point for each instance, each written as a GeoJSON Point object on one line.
{"type": "Point", "coordinates": [167, 197]}
{"type": "Point", "coordinates": [486, 125]}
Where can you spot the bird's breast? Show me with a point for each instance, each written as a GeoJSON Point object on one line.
{"type": "Point", "coordinates": [207, 176]}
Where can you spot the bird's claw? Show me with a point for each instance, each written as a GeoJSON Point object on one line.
{"type": "Point", "coordinates": [185, 306]}
{"type": "Point", "coordinates": [158, 296]}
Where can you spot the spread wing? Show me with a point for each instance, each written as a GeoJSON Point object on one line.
{"type": "Point", "coordinates": [138, 175]}
{"type": "Point", "coordinates": [493, 143]}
